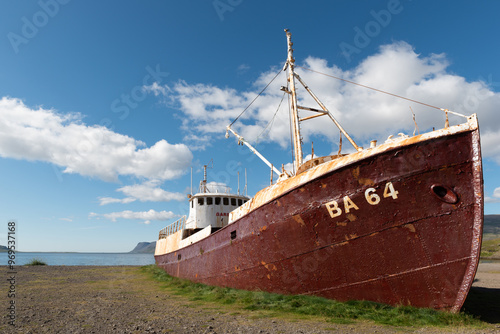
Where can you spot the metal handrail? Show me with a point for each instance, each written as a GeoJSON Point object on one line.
{"type": "Point", "coordinates": [178, 225]}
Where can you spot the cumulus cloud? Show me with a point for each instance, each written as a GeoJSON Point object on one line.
{"type": "Point", "coordinates": [495, 198]}
{"type": "Point", "coordinates": [147, 191]}
{"type": "Point", "coordinates": [146, 216]}
{"type": "Point", "coordinates": [95, 151]}
{"type": "Point", "coordinates": [365, 114]}
{"type": "Point", "coordinates": [112, 200]}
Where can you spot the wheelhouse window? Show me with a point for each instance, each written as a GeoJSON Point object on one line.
{"type": "Point", "coordinates": [201, 201]}
{"type": "Point", "coordinates": [240, 202]}
{"type": "Point", "coordinates": [210, 201]}
{"type": "Point", "coordinates": [233, 201]}
{"type": "Point", "coordinates": [217, 200]}
{"type": "Point", "coordinates": [225, 200]}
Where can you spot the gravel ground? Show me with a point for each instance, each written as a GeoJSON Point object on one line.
{"type": "Point", "coordinates": [72, 299]}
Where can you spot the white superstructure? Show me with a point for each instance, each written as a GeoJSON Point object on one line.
{"type": "Point", "coordinates": [209, 211]}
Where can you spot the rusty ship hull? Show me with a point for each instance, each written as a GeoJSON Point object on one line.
{"type": "Point", "coordinates": [399, 224]}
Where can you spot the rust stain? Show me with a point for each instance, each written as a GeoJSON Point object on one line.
{"type": "Point", "coordinates": [271, 266]}
{"type": "Point", "coordinates": [323, 185]}
{"type": "Point", "coordinates": [263, 228]}
{"type": "Point", "coordinates": [351, 236]}
{"type": "Point", "coordinates": [366, 182]}
{"type": "Point", "coordinates": [236, 268]}
{"type": "Point", "coordinates": [278, 203]}
{"type": "Point", "coordinates": [351, 217]}
{"type": "Point", "coordinates": [411, 227]}
{"type": "Point", "coordinates": [299, 219]}
{"type": "Point", "coordinates": [355, 172]}
{"type": "Point", "coordinates": [268, 276]}
{"type": "Point", "coordinates": [361, 180]}
{"type": "Point", "coordinates": [341, 224]}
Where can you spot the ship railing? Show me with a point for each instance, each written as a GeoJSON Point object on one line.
{"type": "Point", "coordinates": [178, 225]}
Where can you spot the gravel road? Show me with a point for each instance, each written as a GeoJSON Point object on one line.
{"type": "Point", "coordinates": [72, 299]}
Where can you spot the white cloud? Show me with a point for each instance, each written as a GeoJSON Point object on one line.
{"type": "Point", "coordinates": [365, 114]}
{"type": "Point", "coordinates": [150, 191]}
{"type": "Point", "coordinates": [147, 191]}
{"type": "Point", "coordinates": [242, 69]}
{"type": "Point", "coordinates": [111, 200]}
{"type": "Point", "coordinates": [95, 151]}
{"type": "Point", "coordinates": [196, 142]}
{"type": "Point", "coordinates": [156, 89]}
{"type": "Point", "coordinates": [147, 216]}
{"type": "Point", "coordinates": [495, 198]}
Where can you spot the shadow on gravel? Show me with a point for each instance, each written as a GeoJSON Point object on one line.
{"type": "Point", "coordinates": [483, 303]}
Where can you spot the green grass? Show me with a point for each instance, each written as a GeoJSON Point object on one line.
{"type": "Point", "coordinates": [490, 247]}
{"type": "Point", "coordinates": [36, 262]}
{"type": "Point", "coordinates": [334, 311]}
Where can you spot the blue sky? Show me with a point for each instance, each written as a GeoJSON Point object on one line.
{"type": "Point", "coordinates": [105, 105]}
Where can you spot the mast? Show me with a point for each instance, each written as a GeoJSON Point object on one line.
{"type": "Point", "coordinates": [297, 140]}
{"type": "Point", "coordinates": [294, 113]}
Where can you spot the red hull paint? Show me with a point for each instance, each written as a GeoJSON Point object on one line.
{"type": "Point", "coordinates": [409, 248]}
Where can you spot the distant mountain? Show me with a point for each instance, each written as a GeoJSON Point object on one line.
{"type": "Point", "coordinates": [3, 248]}
{"type": "Point", "coordinates": [491, 224]}
{"type": "Point", "coordinates": [144, 247]}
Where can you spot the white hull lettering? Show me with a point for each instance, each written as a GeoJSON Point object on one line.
{"type": "Point", "coordinates": [371, 197]}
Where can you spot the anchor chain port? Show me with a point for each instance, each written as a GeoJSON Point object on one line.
{"type": "Point", "coordinates": [444, 193]}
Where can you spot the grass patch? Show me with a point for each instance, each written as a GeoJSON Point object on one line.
{"type": "Point", "coordinates": [490, 247]}
{"type": "Point", "coordinates": [36, 262]}
{"type": "Point", "coordinates": [334, 311]}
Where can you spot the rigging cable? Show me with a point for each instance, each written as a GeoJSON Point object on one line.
{"type": "Point", "coordinates": [270, 124]}
{"type": "Point", "coordinates": [262, 91]}
{"type": "Point", "coordinates": [381, 91]}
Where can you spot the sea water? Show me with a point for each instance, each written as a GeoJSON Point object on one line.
{"type": "Point", "coordinates": [82, 259]}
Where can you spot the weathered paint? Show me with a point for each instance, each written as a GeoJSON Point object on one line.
{"type": "Point", "coordinates": [410, 248]}
{"type": "Point", "coordinates": [268, 194]}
